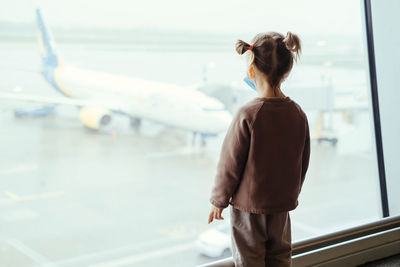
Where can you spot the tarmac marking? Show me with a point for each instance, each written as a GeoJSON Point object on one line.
{"type": "Point", "coordinates": [96, 256]}
{"type": "Point", "coordinates": [43, 195]}
{"type": "Point", "coordinates": [12, 197]}
{"type": "Point", "coordinates": [19, 169]}
{"type": "Point", "coordinates": [36, 257]}
{"type": "Point", "coordinates": [145, 256]}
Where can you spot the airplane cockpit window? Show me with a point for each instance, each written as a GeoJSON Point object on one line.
{"type": "Point", "coordinates": [113, 114]}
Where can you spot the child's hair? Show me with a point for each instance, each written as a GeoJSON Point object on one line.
{"type": "Point", "coordinates": [273, 54]}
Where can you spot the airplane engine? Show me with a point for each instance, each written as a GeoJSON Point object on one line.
{"type": "Point", "coordinates": [94, 117]}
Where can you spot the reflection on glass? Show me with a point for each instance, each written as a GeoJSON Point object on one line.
{"type": "Point", "coordinates": [111, 133]}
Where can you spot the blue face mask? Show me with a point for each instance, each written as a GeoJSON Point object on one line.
{"type": "Point", "coordinates": [250, 82]}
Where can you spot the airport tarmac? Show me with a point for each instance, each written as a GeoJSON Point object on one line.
{"type": "Point", "coordinates": [74, 197]}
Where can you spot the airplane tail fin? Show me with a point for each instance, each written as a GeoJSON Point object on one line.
{"type": "Point", "coordinates": [46, 42]}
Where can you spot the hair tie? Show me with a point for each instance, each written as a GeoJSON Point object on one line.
{"type": "Point", "coordinates": [251, 48]}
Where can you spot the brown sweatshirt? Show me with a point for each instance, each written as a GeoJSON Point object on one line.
{"type": "Point", "coordinates": [264, 157]}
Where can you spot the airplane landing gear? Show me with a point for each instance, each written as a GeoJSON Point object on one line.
{"type": "Point", "coordinates": [135, 123]}
{"type": "Point", "coordinates": [203, 142]}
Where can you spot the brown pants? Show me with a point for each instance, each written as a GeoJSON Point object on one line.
{"type": "Point", "coordinates": [261, 239]}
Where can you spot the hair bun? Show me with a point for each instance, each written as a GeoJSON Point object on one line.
{"type": "Point", "coordinates": [292, 42]}
{"type": "Point", "coordinates": [241, 47]}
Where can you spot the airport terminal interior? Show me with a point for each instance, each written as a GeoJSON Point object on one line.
{"type": "Point", "coordinates": [113, 115]}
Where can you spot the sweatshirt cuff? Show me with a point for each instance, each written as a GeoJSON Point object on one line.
{"type": "Point", "coordinates": [218, 204]}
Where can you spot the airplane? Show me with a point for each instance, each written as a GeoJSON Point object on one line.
{"type": "Point", "coordinates": [99, 95]}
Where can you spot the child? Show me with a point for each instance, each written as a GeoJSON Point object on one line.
{"type": "Point", "coordinates": [264, 157]}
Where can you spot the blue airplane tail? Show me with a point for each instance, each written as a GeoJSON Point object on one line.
{"type": "Point", "coordinates": [50, 60]}
{"type": "Point", "coordinates": [46, 43]}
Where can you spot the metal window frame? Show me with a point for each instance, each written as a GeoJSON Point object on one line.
{"type": "Point", "coordinates": [375, 107]}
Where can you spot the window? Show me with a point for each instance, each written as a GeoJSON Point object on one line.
{"type": "Point", "coordinates": [78, 191]}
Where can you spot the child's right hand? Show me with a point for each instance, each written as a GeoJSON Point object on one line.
{"type": "Point", "coordinates": [215, 214]}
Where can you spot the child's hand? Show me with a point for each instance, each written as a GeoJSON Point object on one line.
{"type": "Point", "coordinates": [215, 214]}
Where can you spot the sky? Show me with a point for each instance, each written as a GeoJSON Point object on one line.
{"type": "Point", "coordinates": [230, 16]}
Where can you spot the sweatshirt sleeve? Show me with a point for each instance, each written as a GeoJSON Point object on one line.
{"type": "Point", "coordinates": [232, 160]}
{"type": "Point", "coordinates": [306, 154]}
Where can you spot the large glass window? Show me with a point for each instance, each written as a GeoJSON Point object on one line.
{"type": "Point", "coordinates": [387, 66]}
{"type": "Point", "coordinates": [112, 125]}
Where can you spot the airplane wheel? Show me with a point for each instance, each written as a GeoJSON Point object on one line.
{"type": "Point", "coordinates": [135, 123]}
{"type": "Point", "coordinates": [334, 141]}
{"type": "Point", "coordinates": [203, 142]}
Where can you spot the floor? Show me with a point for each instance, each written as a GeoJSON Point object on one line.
{"type": "Point", "coordinates": [393, 261]}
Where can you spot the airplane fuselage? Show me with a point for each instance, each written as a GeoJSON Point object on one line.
{"type": "Point", "coordinates": [170, 104]}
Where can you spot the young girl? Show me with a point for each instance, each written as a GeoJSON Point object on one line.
{"type": "Point", "coordinates": [264, 157]}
